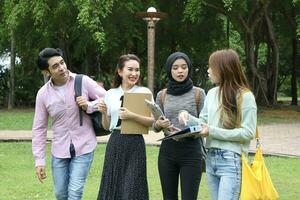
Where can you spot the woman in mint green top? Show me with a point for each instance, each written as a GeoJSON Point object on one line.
{"type": "Point", "coordinates": [224, 140]}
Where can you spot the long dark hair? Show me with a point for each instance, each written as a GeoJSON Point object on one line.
{"type": "Point", "coordinates": [227, 66]}
{"type": "Point", "coordinates": [121, 63]}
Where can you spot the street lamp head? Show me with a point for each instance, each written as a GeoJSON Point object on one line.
{"type": "Point", "coordinates": [151, 15]}
{"type": "Point", "coordinates": [151, 9]}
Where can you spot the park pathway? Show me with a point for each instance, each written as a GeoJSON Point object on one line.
{"type": "Point", "coordinates": [276, 139]}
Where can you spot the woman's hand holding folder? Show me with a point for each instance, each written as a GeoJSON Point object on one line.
{"type": "Point", "coordinates": [183, 118]}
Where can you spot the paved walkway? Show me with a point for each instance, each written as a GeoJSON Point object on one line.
{"type": "Point", "coordinates": [277, 139]}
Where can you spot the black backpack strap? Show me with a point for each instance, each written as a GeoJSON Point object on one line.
{"type": "Point", "coordinates": [77, 88]}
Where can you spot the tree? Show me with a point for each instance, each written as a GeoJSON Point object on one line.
{"type": "Point", "coordinates": [247, 18]}
{"type": "Point", "coordinates": [11, 97]}
{"type": "Point", "coordinates": [13, 12]}
{"type": "Point", "coordinates": [94, 33]}
{"type": "Point", "coordinates": [38, 24]}
{"type": "Point", "coordinates": [291, 13]}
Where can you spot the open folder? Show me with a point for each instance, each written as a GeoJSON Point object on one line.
{"type": "Point", "coordinates": [155, 109]}
{"type": "Point", "coordinates": [186, 132]}
{"type": "Point", "coordinates": [135, 102]}
{"type": "Point", "coordinates": [157, 113]}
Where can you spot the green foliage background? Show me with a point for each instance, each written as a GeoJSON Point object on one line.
{"type": "Point", "coordinates": [94, 33]}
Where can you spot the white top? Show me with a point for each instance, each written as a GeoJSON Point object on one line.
{"type": "Point", "coordinates": [113, 102]}
{"type": "Point", "coordinates": [61, 90]}
{"type": "Point", "coordinates": [229, 139]}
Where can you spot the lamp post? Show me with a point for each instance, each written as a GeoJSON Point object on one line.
{"type": "Point", "coordinates": [151, 17]}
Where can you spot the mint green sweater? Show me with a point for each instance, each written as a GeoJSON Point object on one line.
{"type": "Point", "coordinates": [229, 139]}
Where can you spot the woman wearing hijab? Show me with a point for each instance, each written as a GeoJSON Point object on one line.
{"type": "Point", "coordinates": [179, 157]}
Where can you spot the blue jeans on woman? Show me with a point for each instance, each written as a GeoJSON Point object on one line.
{"type": "Point", "coordinates": [69, 176]}
{"type": "Point", "coordinates": [223, 172]}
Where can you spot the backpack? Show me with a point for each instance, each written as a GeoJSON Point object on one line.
{"type": "Point", "coordinates": [96, 116]}
{"type": "Point", "coordinates": [197, 99]}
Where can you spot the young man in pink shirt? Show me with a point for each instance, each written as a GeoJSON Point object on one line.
{"type": "Point", "coordinates": [72, 145]}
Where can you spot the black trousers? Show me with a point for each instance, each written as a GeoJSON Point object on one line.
{"type": "Point", "coordinates": [180, 159]}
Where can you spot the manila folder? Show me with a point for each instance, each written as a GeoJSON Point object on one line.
{"type": "Point", "coordinates": [135, 102]}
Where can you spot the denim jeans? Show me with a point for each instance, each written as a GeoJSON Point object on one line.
{"type": "Point", "coordinates": [223, 171]}
{"type": "Point", "coordinates": [69, 176]}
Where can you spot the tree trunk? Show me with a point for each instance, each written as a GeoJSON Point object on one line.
{"type": "Point", "coordinates": [290, 15]}
{"type": "Point", "coordinates": [250, 57]}
{"type": "Point", "coordinates": [294, 73]}
{"type": "Point", "coordinates": [256, 82]}
{"type": "Point", "coordinates": [274, 62]}
{"type": "Point", "coordinates": [228, 31]}
{"type": "Point", "coordinates": [11, 95]}
{"type": "Point", "coordinates": [249, 26]}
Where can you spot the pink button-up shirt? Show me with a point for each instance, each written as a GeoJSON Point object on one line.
{"type": "Point", "coordinates": [66, 127]}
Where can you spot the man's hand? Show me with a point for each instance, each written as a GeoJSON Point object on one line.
{"type": "Point", "coordinates": [41, 173]}
{"type": "Point", "coordinates": [82, 102]}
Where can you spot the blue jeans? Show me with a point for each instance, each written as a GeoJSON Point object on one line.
{"type": "Point", "coordinates": [69, 176]}
{"type": "Point", "coordinates": [223, 171]}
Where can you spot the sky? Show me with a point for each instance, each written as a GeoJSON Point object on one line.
{"type": "Point", "coordinates": [5, 60]}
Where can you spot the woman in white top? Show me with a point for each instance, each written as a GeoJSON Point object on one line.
{"type": "Point", "coordinates": [124, 171]}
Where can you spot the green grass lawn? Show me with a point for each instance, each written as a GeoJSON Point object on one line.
{"type": "Point", "coordinates": [21, 119]}
{"type": "Point", "coordinates": [280, 114]}
{"type": "Point", "coordinates": [17, 119]}
{"type": "Point", "coordinates": [18, 180]}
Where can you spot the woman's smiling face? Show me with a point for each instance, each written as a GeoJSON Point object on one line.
{"type": "Point", "coordinates": [130, 73]}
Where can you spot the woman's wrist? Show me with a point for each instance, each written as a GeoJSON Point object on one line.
{"type": "Point", "coordinates": [154, 126]}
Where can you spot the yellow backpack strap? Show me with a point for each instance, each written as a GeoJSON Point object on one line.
{"type": "Point", "coordinates": [163, 97]}
{"type": "Point", "coordinates": [197, 100]}
{"type": "Point", "coordinates": [257, 134]}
